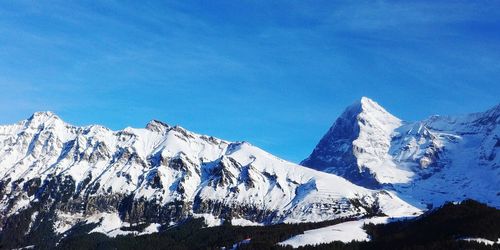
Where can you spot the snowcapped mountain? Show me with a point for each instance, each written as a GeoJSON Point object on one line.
{"type": "Point", "coordinates": [439, 159]}
{"type": "Point", "coordinates": [54, 175]}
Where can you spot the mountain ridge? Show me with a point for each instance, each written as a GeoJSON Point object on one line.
{"type": "Point", "coordinates": [60, 176]}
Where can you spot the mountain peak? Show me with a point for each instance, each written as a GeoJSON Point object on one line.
{"type": "Point", "coordinates": [41, 117]}
{"type": "Point", "coordinates": [369, 105]}
{"type": "Point", "coordinates": [158, 126]}
{"type": "Point", "coordinates": [368, 110]}
{"type": "Point", "coordinates": [354, 134]}
{"type": "Point", "coordinates": [43, 114]}
{"type": "Point", "coordinates": [365, 99]}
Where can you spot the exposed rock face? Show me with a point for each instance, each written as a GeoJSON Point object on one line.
{"type": "Point", "coordinates": [61, 175]}
{"type": "Point", "coordinates": [439, 159]}
{"type": "Point", "coordinates": [338, 150]}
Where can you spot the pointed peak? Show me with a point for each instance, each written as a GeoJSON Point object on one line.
{"type": "Point", "coordinates": [368, 104]}
{"type": "Point", "coordinates": [361, 105]}
{"type": "Point", "coordinates": [368, 110]}
{"type": "Point", "coordinates": [158, 126]}
{"type": "Point", "coordinates": [43, 114]}
{"type": "Point", "coordinates": [366, 100]}
{"type": "Point", "coordinates": [43, 117]}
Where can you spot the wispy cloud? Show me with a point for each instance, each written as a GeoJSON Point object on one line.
{"type": "Point", "coordinates": [247, 69]}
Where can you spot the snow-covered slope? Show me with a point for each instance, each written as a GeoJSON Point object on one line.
{"type": "Point", "coordinates": [357, 146]}
{"type": "Point", "coordinates": [439, 159]}
{"type": "Point", "coordinates": [344, 232]}
{"type": "Point", "coordinates": [161, 174]}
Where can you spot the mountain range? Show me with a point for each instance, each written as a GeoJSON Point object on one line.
{"type": "Point", "coordinates": [56, 177]}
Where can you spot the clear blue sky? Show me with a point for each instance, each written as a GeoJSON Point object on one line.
{"type": "Point", "coordinates": [274, 73]}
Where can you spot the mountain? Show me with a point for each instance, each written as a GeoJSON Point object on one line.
{"type": "Point", "coordinates": [439, 159]}
{"type": "Point", "coordinates": [464, 225]}
{"type": "Point", "coordinates": [55, 177]}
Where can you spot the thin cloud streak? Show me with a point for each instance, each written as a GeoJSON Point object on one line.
{"type": "Point", "coordinates": [255, 71]}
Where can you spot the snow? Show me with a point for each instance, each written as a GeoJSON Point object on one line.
{"type": "Point", "coordinates": [109, 224]}
{"type": "Point", "coordinates": [25, 247]}
{"type": "Point", "coordinates": [481, 240]}
{"type": "Point", "coordinates": [22, 202]}
{"type": "Point", "coordinates": [210, 219]}
{"type": "Point", "coordinates": [345, 232]}
{"type": "Point", "coordinates": [442, 158]}
{"type": "Point", "coordinates": [238, 244]}
{"type": "Point", "coordinates": [469, 166]}
{"type": "Point", "coordinates": [243, 222]}
{"type": "Point", "coordinates": [65, 221]}
{"type": "Point", "coordinates": [152, 228]}
{"type": "Point", "coordinates": [376, 129]}
{"type": "Point", "coordinates": [33, 218]}
{"type": "Point", "coordinates": [395, 207]}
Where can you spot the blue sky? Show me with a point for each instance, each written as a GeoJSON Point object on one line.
{"type": "Point", "coordinates": [274, 73]}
